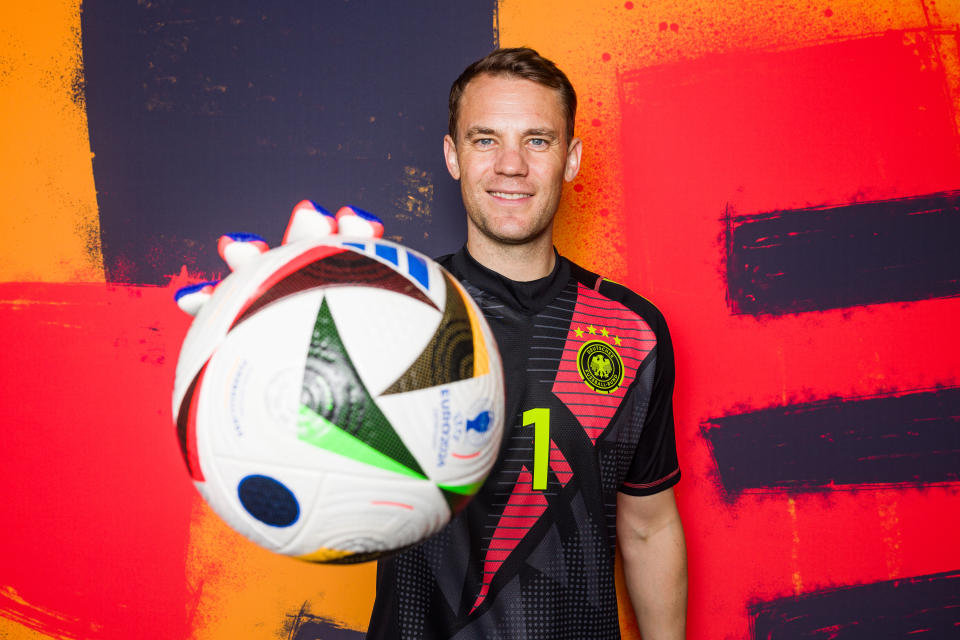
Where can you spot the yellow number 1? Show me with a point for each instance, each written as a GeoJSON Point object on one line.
{"type": "Point", "coordinates": [540, 419]}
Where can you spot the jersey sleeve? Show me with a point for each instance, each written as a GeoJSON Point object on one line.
{"type": "Point", "coordinates": [655, 466]}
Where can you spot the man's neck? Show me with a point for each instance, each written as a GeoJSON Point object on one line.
{"type": "Point", "coordinates": [519, 262]}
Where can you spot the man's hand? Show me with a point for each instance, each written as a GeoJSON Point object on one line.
{"type": "Point", "coordinates": [307, 221]}
{"type": "Point", "coordinates": [650, 537]}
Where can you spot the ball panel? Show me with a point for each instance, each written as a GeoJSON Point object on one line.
{"type": "Point", "coordinates": [302, 272]}
{"type": "Point", "coordinates": [417, 267]}
{"type": "Point", "coordinates": [483, 339]}
{"type": "Point", "coordinates": [357, 265]}
{"type": "Point", "coordinates": [316, 430]}
{"type": "Point", "coordinates": [187, 429]}
{"type": "Point", "coordinates": [325, 266]}
{"type": "Point", "coordinates": [268, 500]}
{"type": "Point", "coordinates": [383, 332]}
{"type": "Point", "coordinates": [330, 556]}
{"type": "Point", "coordinates": [458, 497]}
{"type": "Point", "coordinates": [333, 389]}
{"type": "Point", "coordinates": [250, 395]}
{"type": "Point", "coordinates": [426, 273]}
{"type": "Point", "coordinates": [214, 320]}
{"type": "Point", "coordinates": [454, 430]}
{"type": "Point", "coordinates": [364, 515]}
{"type": "Point", "coordinates": [222, 492]}
{"type": "Point", "coordinates": [449, 355]}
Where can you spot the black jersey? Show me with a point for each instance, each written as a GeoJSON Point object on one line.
{"type": "Point", "coordinates": [589, 373]}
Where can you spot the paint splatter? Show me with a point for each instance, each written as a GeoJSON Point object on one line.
{"type": "Point", "coordinates": [416, 199]}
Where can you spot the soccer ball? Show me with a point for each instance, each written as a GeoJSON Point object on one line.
{"type": "Point", "coordinates": [339, 399]}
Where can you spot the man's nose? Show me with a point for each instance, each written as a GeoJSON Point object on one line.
{"type": "Point", "coordinates": [511, 161]}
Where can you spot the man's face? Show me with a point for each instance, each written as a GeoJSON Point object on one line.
{"type": "Point", "coordinates": [511, 157]}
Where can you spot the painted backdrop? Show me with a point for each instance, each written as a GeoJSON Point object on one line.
{"type": "Point", "coordinates": [781, 179]}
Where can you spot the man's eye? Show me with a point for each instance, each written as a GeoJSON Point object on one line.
{"type": "Point", "coordinates": [538, 142]}
{"type": "Point", "coordinates": [484, 142]}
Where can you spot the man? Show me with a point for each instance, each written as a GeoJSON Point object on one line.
{"type": "Point", "coordinates": [588, 457]}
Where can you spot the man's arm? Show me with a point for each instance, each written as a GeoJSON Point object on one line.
{"type": "Point", "coordinates": [650, 537]}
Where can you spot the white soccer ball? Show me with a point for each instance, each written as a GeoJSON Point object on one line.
{"type": "Point", "coordinates": [339, 399]}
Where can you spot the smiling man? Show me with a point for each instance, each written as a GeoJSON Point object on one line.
{"type": "Point", "coordinates": [512, 153]}
{"type": "Point", "coordinates": [589, 459]}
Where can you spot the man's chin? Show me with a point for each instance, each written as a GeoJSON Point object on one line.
{"type": "Point", "coordinates": [511, 229]}
{"type": "Point", "coordinates": [513, 237]}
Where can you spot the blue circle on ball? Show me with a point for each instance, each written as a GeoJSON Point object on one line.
{"type": "Point", "coordinates": [268, 500]}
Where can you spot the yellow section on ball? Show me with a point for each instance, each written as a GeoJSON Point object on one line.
{"type": "Point", "coordinates": [481, 359]}
{"type": "Point", "coordinates": [325, 555]}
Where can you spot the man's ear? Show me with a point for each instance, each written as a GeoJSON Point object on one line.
{"type": "Point", "coordinates": [572, 167]}
{"type": "Point", "coordinates": [450, 155]}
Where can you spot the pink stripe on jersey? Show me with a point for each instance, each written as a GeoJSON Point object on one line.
{"type": "Point", "coordinates": [596, 317]}
{"type": "Point", "coordinates": [559, 465]}
{"type": "Point", "coordinates": [523, 508]}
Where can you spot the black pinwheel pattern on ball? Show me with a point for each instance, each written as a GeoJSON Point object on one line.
{"type": "Point", "coordinates": [333, 390]}
{"type": "Point", "coordinates": [329, 266]}
{"type": "Point", "coordinates": [448, 357]}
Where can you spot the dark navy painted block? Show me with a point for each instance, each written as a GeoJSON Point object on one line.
{"type": "Point", "coordinates": [303, 625]}
{"type": "Point", "coordinates": [209, 117]}
{"type": "Point", "coordinates": [908, 439]}
{"type": "Point", "coordinates": [919, 607]}
{"type": "Point", "coordinates": [830, 257]}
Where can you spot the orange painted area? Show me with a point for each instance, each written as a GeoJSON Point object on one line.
{"type": "Point", "coordinates": [11, 630]}
{"type": "Point", "coordinates": [596, 41]}
{"type": "Point", "coordinates": [22, 620]}
{"type": "Point", "coordinates": [239, 590]}
{"type": "Point", "coordinates": [629, 627]}
{"type": "Point", "coordinates": [51, 227]}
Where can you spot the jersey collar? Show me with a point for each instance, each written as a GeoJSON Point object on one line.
{"type": "Point", "coordinates": [527, 297]}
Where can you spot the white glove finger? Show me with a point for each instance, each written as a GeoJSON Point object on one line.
{"type": "Point", "coordinates": [237, 249]}
{"type": "Point", "coordinates": [353, 221]}
{"type": "Point", "coordinates": [191, 298]}
{"type": "Point", "coordinates": [309, 220]}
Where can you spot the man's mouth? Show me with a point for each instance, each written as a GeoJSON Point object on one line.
{"type": "Point", "coordinates": [509, 196]}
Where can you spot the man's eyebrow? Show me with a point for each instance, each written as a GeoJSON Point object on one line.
{"type": "Point", "coordinates": [537, 132]}
{"type": "Point", "coordinates": [478, 131]}
{"type": "Point", "coordinates": [541, 133]}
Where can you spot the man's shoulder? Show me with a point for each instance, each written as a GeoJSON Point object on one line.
{"type": "Point", "coordinates": [619, 293]}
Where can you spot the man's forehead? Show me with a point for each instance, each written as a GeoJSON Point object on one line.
{"type": "Point", "coordinates": [497, 83]}
{"type": "Point", "coordinates": [493, 101]}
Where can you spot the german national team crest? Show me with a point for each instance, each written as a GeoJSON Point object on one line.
{"type": "Point", "coordinates": [600, 366]}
